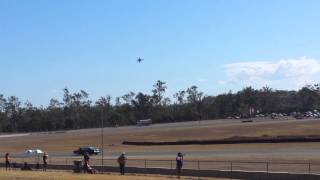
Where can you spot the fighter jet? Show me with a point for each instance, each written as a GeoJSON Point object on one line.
{"type": "Point", "coordinates": [139, 60]}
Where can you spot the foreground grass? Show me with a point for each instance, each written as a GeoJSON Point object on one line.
{"type": "Point", "coordinates": [39, 175]}
{"type": "Point", "coordinates": [10, 175]}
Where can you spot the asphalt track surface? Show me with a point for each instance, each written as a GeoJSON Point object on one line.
{"type": "Point", "coordinates": [200, 154]}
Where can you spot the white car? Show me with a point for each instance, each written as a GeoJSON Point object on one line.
{"type": "Point", "coordinates": [34, 152]}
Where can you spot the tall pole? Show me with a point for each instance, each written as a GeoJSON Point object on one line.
{"type": "Point", "coordinates": [102, 150]}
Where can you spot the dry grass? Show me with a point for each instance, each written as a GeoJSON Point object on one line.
{"type": "Point", "coordinates": [70, 140]}
{"type": "Point", "coordinates": [25, 175]}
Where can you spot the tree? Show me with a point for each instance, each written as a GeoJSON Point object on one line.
{"type": "Point", "coordinates": [267, 100]}
{"type": "Point", "coordinates": [54, 115]}
{"type": "Point", "coordinates": [248, 101]}
{"type": "Point", "coordinates": [128, 97]}
{"type": "Point", "coordinates": [74, 103]}
{"type": "Point", "coordinates": [118, 101]}
{"type": "Point", "coordinates": [66, 97]}
{"type": "Point", "coordinates": [142, 104]}
{"type": "Point", "coordinates": [77, 111]}
{"type": "Point", "coordinates": [194, 98]}
{"type": "Point", "coordinates": [54, 103]}
{"type": "Point", "coordinates": [2, 111]}
{"type": "Point", "coordinates": [193, 95]}
{"type": "Point", "coordinates": [12, 110]}
{"type": "Point", "coordinates": [104, 106]}
{"type": "Point", "coordinates": [104, 102]}
{"type": "Point", "coordinates": [308, 98]}
{"type": "Point", "coordinates": [180, 97]}
{"type": "Point", "coordinates": [158, 92]}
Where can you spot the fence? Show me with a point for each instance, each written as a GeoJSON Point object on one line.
{"type": "Point", "coordinates": [298, 167]}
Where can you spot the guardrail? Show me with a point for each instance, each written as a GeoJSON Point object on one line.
{"type": "Point", "coordinates": [298, 167]}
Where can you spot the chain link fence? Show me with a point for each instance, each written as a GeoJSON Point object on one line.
{"type": "Point", "coordinates": [298, 167]}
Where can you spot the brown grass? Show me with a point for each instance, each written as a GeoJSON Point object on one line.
{"type": "Point", "coordinates": [32, 175]}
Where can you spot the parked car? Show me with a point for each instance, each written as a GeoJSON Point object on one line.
{"type": "Point", "coordinates": [298, 116]}
{"type": "Point", "coordinates": [274, 116]}
{"type": "Point", "coordinates": [89, 150]}
{"type": "Point", "coordinates": [144, 122]}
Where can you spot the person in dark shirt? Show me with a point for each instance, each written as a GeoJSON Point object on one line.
{"type": "Point", "coordinates": [86, 158]}
{"type": "Point", "coordinates": [122, 162]}
{"type": "Point", "coordinates": [45, 161]}
{"type": "Point", "coordinates": [179, 162]}
{"type": "Point", "coordinates": [7, 160]}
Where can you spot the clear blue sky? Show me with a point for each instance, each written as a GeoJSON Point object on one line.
{"type": "Point", "coordinates": [218, 45]}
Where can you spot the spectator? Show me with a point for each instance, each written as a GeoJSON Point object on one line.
{"type": "Point", "coordinates": [86, 159]}
{"type": "Point", "coordinates": [179, 161]}
{"type": "Point", "coordinates": [7, 160]}
{"type": "Point", "coordinates": [45, 161]}
{"type": "Point", "coordinates": [122, 162]}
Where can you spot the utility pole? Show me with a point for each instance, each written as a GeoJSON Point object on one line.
{"type": "Point", "coordinates": [102, 148]}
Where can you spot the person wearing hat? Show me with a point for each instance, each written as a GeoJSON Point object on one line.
{"type": "Point", "coordinates": [122, 162]}
{"type": "Point", "coordinates": [179, 162]}
{"type": "Point", "coordinates": [45, 161]}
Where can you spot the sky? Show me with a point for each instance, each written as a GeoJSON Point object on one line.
{"type": "Point", "coordinates": [217, 45]}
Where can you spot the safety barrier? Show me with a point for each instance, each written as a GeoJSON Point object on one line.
{"type": "Point", "coordinates": [223, 169]}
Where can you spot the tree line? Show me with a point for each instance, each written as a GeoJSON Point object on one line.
{"type": "Point", "coordinates": [77, 111]}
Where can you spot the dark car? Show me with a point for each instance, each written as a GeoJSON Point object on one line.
{"type": "Point", "coordinates": [89, 150]}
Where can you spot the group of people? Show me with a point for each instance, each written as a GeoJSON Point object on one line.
{"type": "Point", "coordinates": [122, 159]}
{"type": "Point", "coordinates": [26, 166]}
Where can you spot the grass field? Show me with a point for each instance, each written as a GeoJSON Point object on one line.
{"type": "Point", "coordinates": [113, 137]}
{"type": "Point", "coordinates": [14, 175]}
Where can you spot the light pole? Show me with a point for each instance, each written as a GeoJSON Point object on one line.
{"type": "Point", "coordinates": [102, 149]}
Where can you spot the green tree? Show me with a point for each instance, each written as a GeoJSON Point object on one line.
{"type": "Point", "coordinates": [180, 97]}
{"type": "Point", "coordinates": [158, 92]}
{"type": "Point", "coordinates": [142, 104]}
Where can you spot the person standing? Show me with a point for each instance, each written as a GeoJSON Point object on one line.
{"type": "Point", "coordinates": [122, 162]}
{"type": "Point", "coordinates": [179, 162]}
{"type": "Point", "coordinates": [45, 161]}
{"type": "Point", "coordinates": [7, 160]}
{"type": "Point", "coordinates": [86, 158]}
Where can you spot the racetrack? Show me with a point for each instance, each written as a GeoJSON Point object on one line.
{"type": "Point", "coordinates": [61, 144]}
{"type": "Point", "coordinates": [309, 151]}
